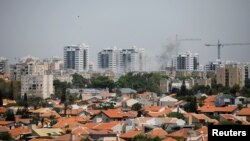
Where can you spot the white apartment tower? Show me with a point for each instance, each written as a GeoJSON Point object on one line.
{"type": "Point", "coordinates": [4, 67]}
{"type": "Point", "coordinates": [132, 59]}
{"type": "Point", "coordinates": [108, 59]}
{"type": "Point", "coordinates": [37, 85]}
{"type": "Point", "coordinates": [121, 60]}
{"type": "Point", "coordinates": [186, 61]}
{"type": "Point", "coordinates": [76, 57]}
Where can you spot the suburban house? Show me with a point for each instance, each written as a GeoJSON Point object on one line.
{"type": "Point", "coordinates": [212, 110]}
{"type": "Point", "coordinates": [244, 113]}
{"type": "Point", "coordinates": [201, 120]}
{"type": "Point", "coordinates": [112, 115]}
{"type": "Point", "coordinates": [233, 118]}
{"type": "Point", "coordinates": [168, 101]}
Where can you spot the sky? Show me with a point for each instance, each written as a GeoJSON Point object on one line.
{"type": "Point", "coordinates": [42, 28]}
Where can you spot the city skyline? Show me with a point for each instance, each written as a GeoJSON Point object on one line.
{"type": "Point", "coordinates": [43, 28]}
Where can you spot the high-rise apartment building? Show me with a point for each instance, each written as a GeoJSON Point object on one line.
{"type": "Point", "coordinates": [4, 67]}
{"type": "Point", "coordinates": [132, 59]}
{"type": "Point", "coordinates": [37, 85]}
{"type": "Point", "coordinates": [121, 60]}
{"type": "Point", "coordinates": [230, 75]}
{"type": "Point", "coordinates": [186, 61]}
{"type": "Point", "coordinates": [109, 59]}
{"type": "Point", "coordinates": [76, 57]}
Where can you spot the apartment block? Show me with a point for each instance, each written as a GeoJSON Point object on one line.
{"type": "Point", "coordinates": [37, 85]}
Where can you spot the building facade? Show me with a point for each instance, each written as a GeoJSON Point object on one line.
{"type": "Point", "coordinates": [186, 61]}
{"type": "Point", "coordinates": [121, 60]}
{"type": "Point", "coordinates": [108, 59]}
{"type": "Point", "coordinates": [76, 57]}
{"type": "Point", "coordinates": [4, 67]}
{"type": "Point", "coordinates": [230, 75]}
{"type": "Point", "coordinates": [132, 59]}
{"type": "Point", "coordinates": [37, 85]}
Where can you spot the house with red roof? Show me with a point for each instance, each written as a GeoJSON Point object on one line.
{"type": "Point", "coordinates": [113, 115]}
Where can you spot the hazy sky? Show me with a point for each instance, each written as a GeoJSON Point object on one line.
{"type": "Point", "coordinates": [42, 28]}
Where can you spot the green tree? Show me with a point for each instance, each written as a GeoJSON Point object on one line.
{"type": "Point", "coordinates": [5, 136]}
{"type": "Point", "coordinates": [1, 98]}
{"type": "Point", "coordinates": [136, 107]}
{"type": "Point", "coordinates": [25, 99]}
{"type": "Point", "coordinates": [63, 96]}
{"type": "Point", "coordinates": [176, 115]}
{"type": "Point", "coordinates": [10, 115]}
{"type": "Point", "coordinates": [79, 81]}
{"type": "Point", "coordinates": [183, 90]}
{"type": "Point", "coordinates": [103, 82]}
{"type": "Point", "coordinates": [246, 89]}
{"type": "Point", "coordinates": [80, 97]}
{"type": "Point", "coordinates": [227, 122]}
{"type": "Point", "coordinates": [59, 87]}
{"type": "Point", "coordinates": [192, 104]}
{"type": "Point", "coordinates": [141, 81]}
{"type": "Point", "coordinates": [11, 91]}
{"type": "Point", "coordinates": [235, 89]}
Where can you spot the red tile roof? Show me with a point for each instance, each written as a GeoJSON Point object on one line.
{"type": "Point", "coordinates": [169, 139]}
{"type": "Point", "coordinates": [152, 108]}
{"type": "Point", "coordinates": [203, 129]}
{"type": "Point", "coordinates": [209, 101]}
{"type": "Point", "coordinates": [106, 126]}
{"type": "Point", "coordinates": [68, 137]}
{"type": "Point", "coordinates": [113, 113]}
{"type": "Point", "coordinates": [93, 112]}
{"type": "Point", "coordinates": [160, 113]}
{"type": "Point", "coordinates": [90, 125]}
{"type": "Point", "coordinates": [49, 114]}
{"type": "Point", "coordinates": [67, 121]}
{"type": "Point", "coordinates": [4, 123]}
{"type": "Point", "coordinates": [41, 139]}
{"type": "Point", "coordinates": [244, 112]}
{"type": "Point", "coordinates": [72, 111]}
{"type": "Point", "coordinates": [4, 129]}
{"type": "Point", "coordinates": [80, 131]}
{"type": "Point", "coordinates": [2, 110]}
{"type": "Point", "coordinates": [182, 133]}
{"type": "Point", "coordinates": [158, 132]}
{"type": "Point", "coordinates": [130, 134]}
{"type": "Point", "coordinates": [19, 131]}
{"type": "Point", "coordinates": [211, 109]}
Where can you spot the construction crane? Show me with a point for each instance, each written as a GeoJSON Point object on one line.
{"type": "Point", "coordinates": [179, 40]}
{"type": "Point", "coordinates": [219, 45]}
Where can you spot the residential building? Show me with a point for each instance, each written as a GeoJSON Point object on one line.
{"type": "Point", "coordinates": [244, 113]}
{"type": "Point", "coordinates": [55, 64]}
{"type": "Point", "coordinates": [247, 71]}
{"type": "Point", "coordinates": [108, 59]}
{"type": "Point", "coordinates": [121, 60]}
{"type": "Point", "coordinates": [203, 81]}
{"type": "Point", "coordinates": [76, 57]}
{"type": "Point", "coordinates": [132, 59]}
{"type": "Point", "coordinates": [4, 67]}
{"type": "Point", "coordinates": [37, 85]}
{"type": "Point", "coordinates": [186, 61]}
{"type": "Point", "coordinates": [213, 65]}
{"type": "Point", "coordinates": [164, 86]}
{"type": "Point", "coordinates": [29, 66]}
{"type": "Point", "coordinates": [230, 75]}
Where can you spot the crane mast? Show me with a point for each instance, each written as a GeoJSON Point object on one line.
{"type": "Point", "coordinates": [219, 45]}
